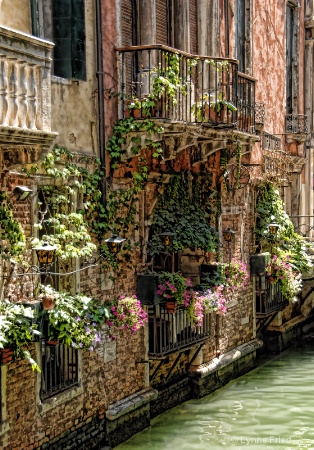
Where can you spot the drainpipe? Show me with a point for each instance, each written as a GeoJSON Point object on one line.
{"type": "Point", "coordinates": [101, 109]}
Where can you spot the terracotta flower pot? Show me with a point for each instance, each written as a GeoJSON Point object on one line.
{"type": "Point", "coordinates": [48, 302]}
{"type": "Point", "coordinates": [52, 343]}
{"type": "Point", "coordinates": [171, 307]}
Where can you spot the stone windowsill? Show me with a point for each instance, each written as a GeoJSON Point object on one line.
{"type": "Point", "coordinates": [130, 403]}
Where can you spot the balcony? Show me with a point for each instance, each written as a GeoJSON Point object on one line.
{"type": "Point", "coordinates": [269, 298]}
{"type": "Point", "coordinates": [181, 87]}
{"type": "Point", "coordinates": [296, 128]}
{"type": "Point", "coordinates": [25, 89]}
{"type": "Point", "coordinates": [169, 333]}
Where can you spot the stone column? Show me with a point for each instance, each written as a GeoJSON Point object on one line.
{"type": "Point", "coordinates": [181, 25]}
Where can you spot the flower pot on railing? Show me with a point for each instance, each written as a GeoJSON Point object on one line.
{"type": "Point", "coordinates": [258, 263]}
{"type": "Point", "coordinates": [48, 302]}
{"type": "Point", "coordinates": [146, 290]}
{"type": "Point", "coordinates": [52, 343]}
{"type": "Point", "coordinates": [6, 356]}
{"type": "Point", "coordinates": [171, 306]}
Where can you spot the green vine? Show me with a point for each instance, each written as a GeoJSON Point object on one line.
{"type": "Point", "coordinates": [180, 209]}
{"type": "Point", "coordinates": [269, 209]}
{"type": "Point", "coordinates": [12, 237]}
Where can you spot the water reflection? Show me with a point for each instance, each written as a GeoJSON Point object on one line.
{"type": "Point", "coordinates": [269, 408]}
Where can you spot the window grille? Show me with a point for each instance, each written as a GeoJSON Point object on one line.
{"type": "Point", "coordinates": [59, 370]}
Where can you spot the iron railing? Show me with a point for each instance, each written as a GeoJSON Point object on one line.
{"type": "Point", "coordinates": [59, 370]}
{"type": "Point", "coordinates": [270, 142]}
{"type": "Point", "coordinates": [296, 124]}
{"type": "Point", "coordinates": [246, 103]}
{"type": "Point", "coordinates": [172, 332]}
{"type": "Point", "coordinates": [268, 297]}
{"type": "Point", "coordinates": [206, 90]}
{"type": "Point", "coordinates": [304, 225]}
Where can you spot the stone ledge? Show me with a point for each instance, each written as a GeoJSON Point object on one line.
{"type": "Point", "coordinates": [131, 403]}
{"type": "Point", "coordinates": [206, 369]}
{"type": "Point", "coordinates": [287, 326]}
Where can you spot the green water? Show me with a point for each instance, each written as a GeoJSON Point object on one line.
{"type": "Point", "coordinates": [271, 407]}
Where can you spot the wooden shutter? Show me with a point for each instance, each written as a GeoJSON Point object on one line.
{"type": "Point", "coordinates": [127, 21]}
{"type": "Point", "coordinates": [162, 22]}
{"type": "Point", "coordinates": [193, 26]}
{"type": "Point", "coordinates": [69, 39]}
{"type": "Point", "coordinates": [240, 34]}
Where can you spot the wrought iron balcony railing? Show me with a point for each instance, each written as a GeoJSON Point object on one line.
{"type": "Point", "coordinates": [296, 127]}
{"type": "Point", "coordinates": [172, 332]}
{"type": "Point", "coordinates": [245, 103]}
{"type": "Point", "coordinates": [177, 86]}
{"type": "Point", "coordinates": [296, 124]}
{"type": "Point", "coordinates": [268, 297]}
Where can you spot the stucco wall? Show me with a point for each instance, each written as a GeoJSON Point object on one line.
{"type": "Point", "coordinates": [269, 61]}
{"type": "Point", "coordinates": [74, 103]}
{"type": "Point", "coordinates": [16, 14]}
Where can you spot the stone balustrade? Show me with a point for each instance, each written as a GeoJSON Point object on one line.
{"type": "Point", "coordinates": [25, 85]}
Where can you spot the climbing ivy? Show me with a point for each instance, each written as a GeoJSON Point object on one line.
{"type": "Point", "coordinates": [12, 237]}
{"type": "Point", "coordinates": [269, 209]}
{"type": "Point", "coordinates": [182, 209]}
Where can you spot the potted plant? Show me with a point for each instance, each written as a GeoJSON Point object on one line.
{"type": "Point", "coordinates": [279, 270]}
{"type": "Point", "coordinates": [48, 296]}
{"type": "Point", "coordinates": [222, 107]}
{"type": "Point", "coordinates": [236, 274]}
{"type": "Point", "coordinates": [76, 320]}
{"type": "Point", "coordinates": [135, 107]}
{"type": "Point", "coordinates": [127, 313]}
{"type": "Point", "coordinates": [17, 332]}
{"type": "Point", "coordinates": [173, 288]}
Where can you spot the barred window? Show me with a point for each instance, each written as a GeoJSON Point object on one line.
{"type": "Point", "coordinates": [59, 370]}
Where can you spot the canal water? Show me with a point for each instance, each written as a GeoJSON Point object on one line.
{"type": "Point", "coordinates": [272, 407]}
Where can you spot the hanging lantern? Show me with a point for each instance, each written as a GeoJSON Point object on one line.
{"type": "Point", "coordinates": [45, 253]}
{"type": "Point", "coordinates": [167, 238]}
{"type": "Point", "coordinates": [228, 234]}
{"type": "Point", "coordinates": [273, 228]}
{"type": "Point", "coordinates": [114, 243]}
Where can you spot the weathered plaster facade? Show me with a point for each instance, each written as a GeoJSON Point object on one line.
{"type": "Point", "coordinates": [121, 386]}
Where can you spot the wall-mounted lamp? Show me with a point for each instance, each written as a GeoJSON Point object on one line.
{"type": "Point", "coordinates": [228, 234]}
{"type": "Point", "coordinates": [167, 238]}
{"type": "Point", "coordinates": [22, 192]}
{"type": "Point", "coordinates": [114, 243]}
{"type": "Point", "coordinates": [273, 228]}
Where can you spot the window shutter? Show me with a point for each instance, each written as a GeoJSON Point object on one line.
{"type": "Point", "coordinates": [62, 24]}
{"type": "Point", "coordinates": [35, 17]}
{"type": "Point", "coordinates": [78, 40]}
{"type": "Point", "coordinates": [69, 39]}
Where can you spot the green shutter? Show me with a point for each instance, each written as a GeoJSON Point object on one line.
{"type": "Point", "coordinates": [35, 17]}
{"type": "Point", "coordinates": [62, 23]}
{"type": "Point", "coordinates": [69, 39]}
{"type": "Point", "coordinates": [78, 40]}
